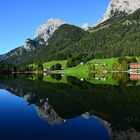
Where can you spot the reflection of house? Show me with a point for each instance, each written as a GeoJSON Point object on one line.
{"type": "Point", "coordinates": [135, 77]}
{"type": "Point", "coordinates": [134, 68]}
{"type": "Point", "coordinates": [134, 71]}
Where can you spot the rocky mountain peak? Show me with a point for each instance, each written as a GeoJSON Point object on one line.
{"type": "Point", "coordinates": [29, 45]}
{"type": "Point", "coordinates": [85, 26]}
{"type": "Point", "coordinates": [43, 33]}
{"type": "Point", "coordinates": [46, 30]}
{"type": "Point", "coordinates": [126, 6]}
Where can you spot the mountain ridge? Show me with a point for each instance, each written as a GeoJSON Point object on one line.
{"type": "Point", "coordinates": [120, 6]}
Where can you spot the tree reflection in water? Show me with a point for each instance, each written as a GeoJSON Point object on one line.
{"type": "Point", "coordinates": [115, 106]}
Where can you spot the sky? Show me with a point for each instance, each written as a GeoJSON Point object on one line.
{"type": "Point", "coordinates": [19, 19]}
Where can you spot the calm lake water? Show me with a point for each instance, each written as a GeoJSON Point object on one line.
{"type": "Point", "coordinates": [67, 108]}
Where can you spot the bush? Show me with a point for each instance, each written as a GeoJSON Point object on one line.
{"type": "Point", "coordinates": [123, 64]}
{"type": "Point", "coordinates": [57, 77]}
{"type": "Point", "coordinates": [129, 60]}
{"type": "Point", "coordinates": [56, 67]}
{"type": "Point", "coordinates": [133, 59]}
{"type": "Point", "coordinates": [76, 60]}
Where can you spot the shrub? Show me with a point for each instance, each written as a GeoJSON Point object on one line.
{"type": "Point", "coordinates": [56, 67]}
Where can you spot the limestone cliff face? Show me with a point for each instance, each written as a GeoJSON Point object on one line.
{"type": "Point", "coordinates": [43, 33]}
{"type": "Point", "coordinates": [126, 6]}
{"type": "Point", "coordinates": [85, 26]}
{"type": "Point", "coordinates": [46, 30]}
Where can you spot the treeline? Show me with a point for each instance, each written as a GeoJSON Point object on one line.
{"type": "Point", "coordinates": [7, 68]}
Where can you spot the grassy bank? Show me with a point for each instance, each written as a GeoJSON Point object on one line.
{"type": "Point", "coordinates": [82, 70]}
{"type": "Point", "coordinates": [48, 65]}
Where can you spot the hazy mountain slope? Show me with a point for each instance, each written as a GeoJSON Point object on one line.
{"type": "Point", "coordinates": [20, 53]}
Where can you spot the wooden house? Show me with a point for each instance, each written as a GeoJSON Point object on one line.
{"type": "Point", "coordinates": [134, 71]}
{"type": "Point", "coordinates": [135, 66]}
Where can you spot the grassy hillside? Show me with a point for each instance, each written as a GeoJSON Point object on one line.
{"type": "Point", "coordinates": [48, 65]}
{"type": "Point", "coordinates": [82, 70]}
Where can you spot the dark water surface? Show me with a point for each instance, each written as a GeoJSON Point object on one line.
{"type": "Point", "coordinates": [67, 108]}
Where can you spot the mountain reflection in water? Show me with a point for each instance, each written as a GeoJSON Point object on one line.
{"type": "Point", "coordinates": [115, 106]}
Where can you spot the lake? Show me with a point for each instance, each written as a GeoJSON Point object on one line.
{"type": "Point", "coordinates": [38, 107]}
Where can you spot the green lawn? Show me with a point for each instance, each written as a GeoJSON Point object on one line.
{"type": "Point", "coordinates": [49, 64]}
{"type": "Point", "coordinates": [82, 71]}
